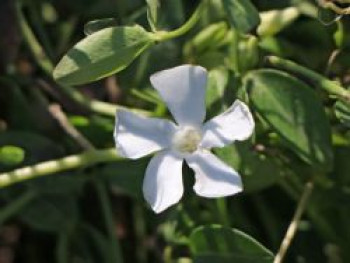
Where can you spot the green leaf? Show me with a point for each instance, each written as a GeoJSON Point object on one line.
{"type": "Point", "coordinates": [258, 170]}
{"type": "Point", "coordinates": [242, 14]}
{"type": "Point", "coordinates": [52, 213]}
{"type": "Point", "coordinates": [274, 21]}
{"type": "Point", "coordinates": [99, 24]}
{"type": "Point", "coordinates": [222, 244]}
{"type": "Point", "coordinates": [125, 176]}
{"type": "Point", "coordinates": [101, 54]}
{"type": "Point", "coordinates": [215, 96]}
{"type": "Point", "coordinates": [293, 110]}
{"type": "Point", "coordinates": [342, 111]}
{"type": "Point", "coordinates": [11, 155]}
{"type": "Point", "coordinates": [152, 13]}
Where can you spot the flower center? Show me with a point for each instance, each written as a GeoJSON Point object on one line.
{"type": "Point", "coordinates": [186, 139]}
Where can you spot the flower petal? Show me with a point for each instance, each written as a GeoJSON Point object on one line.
{"type": "Point", "coordinates": [183, 90]}
{"type": "Point", "coordinates": [236, 123]}
{"type": "Point", "coordinates": [213, 177]}
{"type": "Point", "coordinates": [137, 136]}
{"type": "Point", "coordinates": [162, 185]}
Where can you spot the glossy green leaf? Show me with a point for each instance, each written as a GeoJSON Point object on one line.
{"type": "Point", "coordinates": [222, 244]}
{"type": "Point", "coordinates": [293, 110]}
{"type": "Point", "coordinates": [101, 54]}
{"type": "Point", "coordinates": [152, 13]}
{"type": "Point", "coordinates": [11, 155]}
{"type": "Point", "coordinates": [242, 14]}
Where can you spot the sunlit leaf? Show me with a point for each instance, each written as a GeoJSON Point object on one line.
{"type": "Point", "coordinates": [101, 54]}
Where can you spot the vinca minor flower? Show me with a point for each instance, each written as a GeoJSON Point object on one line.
{"type": "Point", "coordinates": [183, 90]}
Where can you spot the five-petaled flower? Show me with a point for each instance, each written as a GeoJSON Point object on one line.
{"type": "Point", "coordinates": [183, 90]}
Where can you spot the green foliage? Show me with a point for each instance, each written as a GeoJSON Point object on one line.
{"type": "Point", "coordinates": [152, 13]}
{"type": "Point", "coordinates": [101, 54]}
{"type": "Point", "coordinates": [222, 244]}
{"type": "Point", "coordinates": [294, 111]}
{"type": "Point", "coordinates": [11, 155]}
{"type": "Point", "coordinates": [242, 14]}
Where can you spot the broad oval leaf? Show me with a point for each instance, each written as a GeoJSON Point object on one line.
{"type": "Point", "coordinates": [216, 243]}
{"type": "Point", "coordinates": [101, 54]}
{"type": "Point", "coordinates": [293, 111]}
{"type": "Point", "coordinates": [242, 14]}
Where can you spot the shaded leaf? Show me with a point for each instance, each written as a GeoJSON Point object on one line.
{"type": "Point", "coordinates": [214, 243]}
{"type": "Point", "coordinates": [342, 111]}
{"type": "Point", "coordinates": [242, 14]}
{"type": "Point", "coordinates": [293, 110]}
{"type": "Point", "coordinates": [258, 170]}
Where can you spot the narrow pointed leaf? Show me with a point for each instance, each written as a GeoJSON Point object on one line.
{"type": "Point", "coordinates": [152, 13]}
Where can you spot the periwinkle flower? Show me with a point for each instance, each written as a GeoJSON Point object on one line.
{"type": "Point", "coordinates": [183, 90]}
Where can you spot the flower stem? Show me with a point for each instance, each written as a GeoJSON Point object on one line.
{"type": "Point", "coordinates": [332, 87]}
{"type": "Point", "coordinates": [292, 229]}
{"type": "Point", "coordinates": [102, 193]}
{"type": "Point", "coordinates": [58, 165]}
{"type": "Point", "coordinates": [164, 35]}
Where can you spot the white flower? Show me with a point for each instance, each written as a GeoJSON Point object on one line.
{"type": "Point", "coordinates": [183, 90]}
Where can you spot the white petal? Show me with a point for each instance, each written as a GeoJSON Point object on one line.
{"type": "Point", "coordinates": [213, 177]}
{"type": "Point", "coordinates": [137, 136]}
{"type": "Point", "coordinates": [162, 185]}
{"type": "Point", "coordinates": [236, 123]}
{"type": "Point", "coordinates": [183, 90]}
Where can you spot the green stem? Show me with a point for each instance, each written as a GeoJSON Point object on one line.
{"type": "Point", "coordinates": [164, 35]}
{"type": "Point", "coordinates": [58, 165]}
{"type": "Point", "coordinates": [15, 205]}
{"type": "Point", "coordinates": [62, 247]}
{"type": "Point", "coordinates": [332, 87]}
{"type": "Point", "coordinates": [221, 206]}
{"type": "Point", "coordinates": [115, 250]}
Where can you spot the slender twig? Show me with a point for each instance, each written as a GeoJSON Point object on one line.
{"type": "Point", "coordinates": [293, 226]}
{"type": "Point", "coordinates": [62, 119]}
